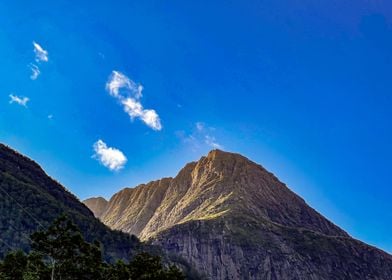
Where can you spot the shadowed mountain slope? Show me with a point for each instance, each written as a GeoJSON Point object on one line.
{"type": "Point", "coordinates": [30, 200]}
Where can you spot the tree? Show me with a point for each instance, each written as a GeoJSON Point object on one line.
{"type": "Point", "coordinates": [60, 252]}
{"type": "Point", "coordinates": [117, 271]}
{"type": "Point", "coordinates": [146, 266]}
{"type": "Point", "coordinates": [36, 268]}
{"type": "Point", "coordinates": [13, 266]}
{"type": "Point", "coordinates": [66, 252]}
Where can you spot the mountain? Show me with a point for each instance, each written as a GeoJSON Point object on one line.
{"type": "Point", "coordinates": [30, 200]}
{"type": "Point", "coordinates": [97, 205]}
{"type": "Point", "coordinates": [232, 219]}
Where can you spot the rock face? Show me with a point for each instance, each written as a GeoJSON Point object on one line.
{"type": "Point", "coordinates": [232, 219]}
{"type": "Point", "coordinates": [97, 205]}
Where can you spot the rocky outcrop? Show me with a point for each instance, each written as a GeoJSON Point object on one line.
{"type": "Point", "coordinates": [232, 219]}
{"type": "Point", "coordinates": [245, 249]}
{"type": "Point", "coordinates": [97, 205]}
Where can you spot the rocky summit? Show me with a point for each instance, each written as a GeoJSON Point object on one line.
{"type": "Point", "coordinates": [232, 219]}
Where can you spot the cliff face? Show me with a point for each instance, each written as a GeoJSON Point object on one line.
{"type": "Point", "coordinates": [232, 219]}
{"type": "Point", "coordinates": [97, 205]}
{"type": "Point", "coordinates": [246, 249]}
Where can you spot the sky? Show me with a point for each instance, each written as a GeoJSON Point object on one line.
{"type": "Point", "coordinates": [117, 93]}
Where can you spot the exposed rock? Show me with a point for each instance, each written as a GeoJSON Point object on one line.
{"type": "Point", "coordinates": [232, 219]}
{"type": "Point", "coordinates": [97, 205]}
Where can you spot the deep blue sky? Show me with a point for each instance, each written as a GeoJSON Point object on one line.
{"type": "Point", "coordinates": [302, 87]}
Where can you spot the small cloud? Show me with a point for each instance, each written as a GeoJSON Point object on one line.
{"type": "Point", "coordinates": [21, 100]}
{"type": "Point", "coordinates": [128, 93]}
{"type": "Point", "coordinates": [200, 126]}
{"type": "Point", "coordinates": [211, 141]}
{"type": "Point", "coordinates": [109, 157]}
{"type": "Point", "coordinates": [118, 81]}
{"type": "Point", "coordinates": [201, 136]}
{"type": "Point", "coordinates": [135, 110]}
{"type": "Point", "coordinates": [41, 55]}
{"type": "Point", "coordinates": [50, 116]}
{"type": "Point", "coordinates": [35, 71]}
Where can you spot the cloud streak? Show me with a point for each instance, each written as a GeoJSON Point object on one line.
{"type": "Point", "coordinates": [109, 157]}
{"type": "Point", "coordinates": [128, 93]}
{"type": "Point", "coordinates": [119, 82]}
{"type": "Point", "coordinates": [201, 136]}
{"type": "Point", "coordinates": [35, 72]}
{"type": "Point", "coordinates": [20, 100]}
{"type": "Point", "coordinates": [211, 141]}
{"type": "Point", "coordinates": [41, 55]}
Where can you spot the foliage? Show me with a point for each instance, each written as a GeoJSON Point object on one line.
{"type": "Point", "coordinates": [60, 252]}
{"type": "Point", "coordinates": [30, 200]}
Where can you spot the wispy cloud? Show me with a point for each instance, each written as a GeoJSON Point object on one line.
{"type": "Point", "coordinates": [128, 93]}
{"type": "Point", "coordinates": [200, 136]}
{"type": "Point", "coordinates": [34, 71]}
{"type": "Point", "coordinates": [21, 100]}
{"type": "Point", "coordinates": [118, 81]}
{"type": "Point", "coordinates": [41, 55]}
{"type": "Point", "coordinates": [109, 157]}
{"type": "Point", "coordinates": [205, 132]}
{"type": "Point", "coordinates": [135, 110]}
{"type": "Point", "coordinates": [211, 141]}
{"type": "Point", "coordinates": [200, 126]}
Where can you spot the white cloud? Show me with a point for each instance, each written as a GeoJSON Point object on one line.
{"type": "Point", "coordinates": [50, 116]}
{"type": "Point", "coordinates": [200, 136]}
{"type": "Point", "coordinates": [21, 100]}
{"type": "Point", "coordinates": [200, 126]}
{"type": "Point", "coordinates": [128, 93]}
{"type": "Point", "coordinates": [41, 55]}
{"type": "Point", "coordinates": [118, 81]}
{"type": "Point", "coordinates": [211, 141]}
{"type": "Point", "coordinates": [35, 71]}
{"type": "Point", "coordinates": [135, 110]}
{"type": "Point", "coordinates": [109, 157]}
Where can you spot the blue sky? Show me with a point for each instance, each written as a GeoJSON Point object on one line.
{"type": "Point", "coordinates": [302, 87]}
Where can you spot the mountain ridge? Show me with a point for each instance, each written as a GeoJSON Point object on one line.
{"type": "Point", "coordinates": [232, 219]}
{"type": "Point", "coordinates": [193, 172]}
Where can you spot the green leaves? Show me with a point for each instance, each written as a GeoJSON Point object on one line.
{"type": "Point", "coordinates": [13, 266]}
{"type": "Point", "coordinates": [60, 252]}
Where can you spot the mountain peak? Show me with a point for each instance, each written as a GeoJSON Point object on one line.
{"type": "Point", "coordinates": [97, 205]}
{"type": "Point", "coordinates": [219, 184]}
{"type": "Point", "coordinates": [220, 154]}
{"type": "Point", "coordinates": [227, 215]}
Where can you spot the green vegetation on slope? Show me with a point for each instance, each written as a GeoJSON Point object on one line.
{"type": "Point", "coordinates": [61, 253]}
{"type": "Point", "coordinates": [30, 201]}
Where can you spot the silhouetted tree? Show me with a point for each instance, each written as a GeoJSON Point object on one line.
{"type": "Point", "coordinates": [13, 266]}
{"type": "Point", "coordinates": [60, 252]}
{"type": "Point", "coordinates": [146, 266]}
{"type": "Point", "coordinates": [67, 254]}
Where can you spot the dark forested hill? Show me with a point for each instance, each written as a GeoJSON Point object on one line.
{"type": "Point", "coordinates": [30, 200]}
